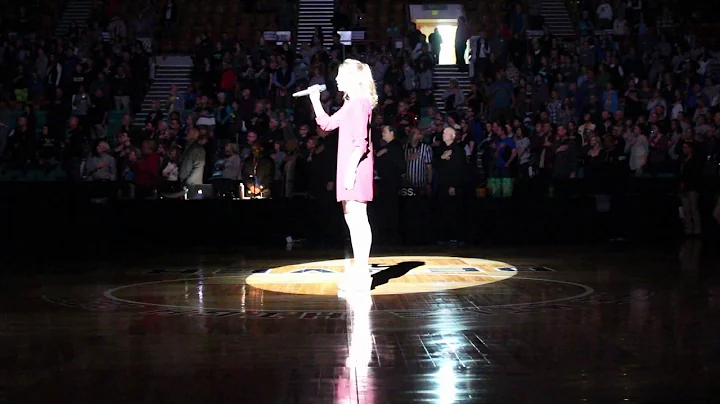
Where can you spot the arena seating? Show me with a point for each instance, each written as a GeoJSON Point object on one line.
{"type": "Point", "coordinates": [378, 16]}
{"type": "Point", "coordinates": [218, 16]}
{"type": "Point", "coordinates": [43, 16]}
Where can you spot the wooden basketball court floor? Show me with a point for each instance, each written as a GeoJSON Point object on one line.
{"type": "Point", "coordinates": [597, 324]}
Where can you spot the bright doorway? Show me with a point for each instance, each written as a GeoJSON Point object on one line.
{"type": "Point", "coordinates": [447, 29]}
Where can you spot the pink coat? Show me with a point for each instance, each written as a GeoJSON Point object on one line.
{"type": "Point", "coordinates": [352, 119]}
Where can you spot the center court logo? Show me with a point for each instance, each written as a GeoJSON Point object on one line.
{"type": "Point", "coordinates": [393, 275]}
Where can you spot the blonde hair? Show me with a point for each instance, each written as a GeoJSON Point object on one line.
{"type": "Point", "coordinates": [365, 83]}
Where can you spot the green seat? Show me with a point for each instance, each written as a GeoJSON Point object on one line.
{"type": "Point", "coordinates": [116, 115]}
{"type": "Point", "coordinates": [113, 128]}
{"type": "Point", "coordinates": [43, 176]}
{"type": "Point", "coordinates": [12, 175]}
{"type": "Point", "coordinates": [13, 119]}
{"type": "Point", "coordinates": [34, 176]}
{"type": "Point", "coordinates": [56, 174]}
{"type": "Point", "coordinates": [41, 119]}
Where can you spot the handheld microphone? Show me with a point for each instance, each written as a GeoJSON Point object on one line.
{"type": "Point", "coordinates": [317, 87]}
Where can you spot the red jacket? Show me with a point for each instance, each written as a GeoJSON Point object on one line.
{"type": "Point", "coordinates": [147, 171]}
{"type": "Point", "coordinates": [228, 80]}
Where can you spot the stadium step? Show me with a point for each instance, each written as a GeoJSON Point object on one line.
{"type": "Point", "coordinates": [311, 14]}
{"type": "Point", "coordinates": [178, 73]}
{"type": "Point", "coordinates": [556, 17]}
{"type": "Point", "coordinates": [442, 74]}
{"type": "Point", "coordinates": [77, 11]}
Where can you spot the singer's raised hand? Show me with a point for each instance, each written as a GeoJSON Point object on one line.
{"type": "Point", "coordinates": [315, 93]}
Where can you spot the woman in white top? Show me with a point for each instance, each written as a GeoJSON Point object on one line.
{"type": "Point", "coordinates": [170, 171]}
{"type": "Point", "coordinates": [638, 146]}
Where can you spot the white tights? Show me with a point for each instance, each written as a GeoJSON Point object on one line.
{"type": "Point", "coordinates": [360, 235]}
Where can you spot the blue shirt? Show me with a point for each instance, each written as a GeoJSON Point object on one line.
{"type": "Point", "coordinates": [501, 145]}
{"type": "Point", "coordinates": [503, 97]}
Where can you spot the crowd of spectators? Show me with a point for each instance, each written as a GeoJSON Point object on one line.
{"type": "Point", "coordinates": [60, 94]}
{"type": "Point", "coordinates": [237, 122]}
{"type": "Point", "coordinates": [605, 107]}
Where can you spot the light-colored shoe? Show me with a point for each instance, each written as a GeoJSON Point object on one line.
{"type": "Point", "coordinates": [355, 283]}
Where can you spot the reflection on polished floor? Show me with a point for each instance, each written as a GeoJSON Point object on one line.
{"type": "Point", "coordinates": [494, 325]}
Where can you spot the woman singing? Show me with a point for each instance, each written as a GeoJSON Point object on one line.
{"type": "Point", "coordinates": [354, 178]}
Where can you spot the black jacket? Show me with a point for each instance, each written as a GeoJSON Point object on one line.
{"type": "Point", "coordinates": [391, 165]}
{"type": "Point", "coordinates": [691, 173]}
{"type": "Point", "coordinates": [451, 172]}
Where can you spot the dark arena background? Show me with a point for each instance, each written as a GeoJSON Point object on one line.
{"type": "Point", "coordinates": [545, 222]}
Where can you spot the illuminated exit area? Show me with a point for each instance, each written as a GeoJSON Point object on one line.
{"type": "Point", "coordinates": [447, 29]}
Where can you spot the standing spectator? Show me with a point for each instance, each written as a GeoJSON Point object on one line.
{"type": "Point", "coordinates": [462, 33]}
{"type": "Point", "coordinates": [101, 167]}
{"type": "Point", "coordinates": [637, 145]}
{"type": "Point", "coordinates": [605, 15]}
{"type": "Point", "coordinates": [193, 160]}
{"type": "Point", "coordinates": [117, 29]}
{"type": "Point", "coordinates": [518, 22]}
{"type": "Point", "coordinates": [522, 147]}
{"type": "Point", "coordinates": [659, 147]}
{"type": "Point", "coordinates": [48, 147]}
{"type": "Point", "coordinates": [22, 143]}
{"type": "Point", "coordinates": [20, 84]}
{"type": "Point", "coordinates": [284, 82]}
{"type": "Point", "coordinates": [691, 171]}
{"type": "Point", "coordinates": [232, 166]}
{"type": "Point", "coordinates": [452, 96]}
{"type": "Point", "coordinates": [503, 98]}
{"type": "Point", "coordinates": [501, 181]}
{"type": "Point", "coordinates": [169, 17]}
{"type": "Point", "coordinates": [565, 152]}
{"type": "Point", "coordinates": [436, 41]}
{"type": "Point", "coordinates": [257, 172]}
{"type": "Point", "coordinates": [147, 170]}
{"type": "Point", "coordinates": [450, 164]}
{"type": "Point", "coordinates": [41, 64]}
{"type": "Point", "coordinates": [170, 171]}
{"type": "Point", "coordinates": [481, 56]}
{"type": "Point", "coordinates": [122, 90]}
{"type": "Point", "coordinates": [389, 168]}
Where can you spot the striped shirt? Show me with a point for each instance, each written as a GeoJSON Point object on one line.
{"type": "Point", "coordinates": [417, 160]}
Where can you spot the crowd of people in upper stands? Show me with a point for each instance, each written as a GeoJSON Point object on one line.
{"type": "Point", "coordinates": [622, 102]}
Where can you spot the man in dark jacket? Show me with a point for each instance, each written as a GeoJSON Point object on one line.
{"type": "Point", "coordinates": [258, 172]}
{"type": "Point", "coordinates": [565, 152]}
{"type": "Point", "coordinates": [691, 172]}
{"type": "Point", "coordinates": [389, 168]}
{"type": "Point", "coordinates": [450, 164]}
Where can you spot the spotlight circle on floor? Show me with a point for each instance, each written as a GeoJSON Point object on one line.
{"type": "Point", "coordinates": [393, 275]}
